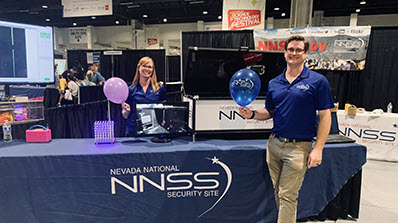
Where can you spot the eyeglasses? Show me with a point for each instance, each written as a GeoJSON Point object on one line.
{"type": "Point", "coordinates": [298, 50]}
{"type": "Point", "coordinates": [147, 67]}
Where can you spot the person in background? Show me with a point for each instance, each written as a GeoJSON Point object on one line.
{"type": "Point", "coordinates": [145, 88]}
{"type": "Point", "coordinates": [63, 86]}
{"type": "Point", "coordinates": [80, 74]}
{"type": "Point", "coordinates": [93, 77]}
{"type": "Point", "coordinates": [347, 65]}
{"type": "Point", "coordinates": [71, 95]}
{"type": "Point", "coordinates": [292, 100]}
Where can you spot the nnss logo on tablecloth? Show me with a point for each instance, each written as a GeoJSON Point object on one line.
{"type": "Point", "coordinates": [176, 183]}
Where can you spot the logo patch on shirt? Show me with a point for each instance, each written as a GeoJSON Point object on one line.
{"type": "Point", "coordinates": [303, 87]}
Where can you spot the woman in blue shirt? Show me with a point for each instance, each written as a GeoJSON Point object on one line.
{"type": "Point", "coordinates": [145, 88]}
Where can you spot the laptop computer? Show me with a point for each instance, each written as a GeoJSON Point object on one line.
{"type": "Point", "coordinates": [334, 135]}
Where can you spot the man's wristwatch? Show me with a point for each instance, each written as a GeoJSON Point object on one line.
{"type": "Point", "coordinates": [253, 114]}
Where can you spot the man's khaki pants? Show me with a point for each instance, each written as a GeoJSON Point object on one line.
{"type": "Point", "coordinates": [287, 163]}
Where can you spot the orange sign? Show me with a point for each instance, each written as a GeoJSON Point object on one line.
{"type": "Point", "coordinates": [239, 19]}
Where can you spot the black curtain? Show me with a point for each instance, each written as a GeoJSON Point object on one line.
{"type": "Point", "coordinates": [173, 68]}
{"type": "Point", "coordinates": [344, 85]}
{"type": "Point", "coordinates": [214, 39]}
{"type": "Point", "coordinates": [51, 97]}
{"type": "Point", "coordinates": [378, 84]}
{"type": "Point", "coordinates": [77, 55]}
{"type": "Point", "coordinates": [77, 121]}
{"type": "Point", "coordinates": [125, 65]}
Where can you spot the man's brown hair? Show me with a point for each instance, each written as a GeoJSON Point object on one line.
{"type": "Point", "coordinates": [298, 38]}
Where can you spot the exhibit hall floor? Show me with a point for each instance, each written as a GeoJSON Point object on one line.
{"type": "Point", "coordinates": [379, 198]}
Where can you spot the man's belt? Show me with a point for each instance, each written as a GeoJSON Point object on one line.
{"type": "Point", "coordinates": [291, 140]}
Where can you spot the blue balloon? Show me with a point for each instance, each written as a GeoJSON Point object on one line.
{"type": "Point", "coordinates": [244, 86]}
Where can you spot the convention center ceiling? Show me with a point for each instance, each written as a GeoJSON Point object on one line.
{"type": "Point", "coordinates": [50, 12]}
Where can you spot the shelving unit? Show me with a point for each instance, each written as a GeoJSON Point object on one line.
{"type": "Point", "coordinates": [21, 112]}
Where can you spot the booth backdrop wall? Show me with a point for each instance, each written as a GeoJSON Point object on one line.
{"type": "Point", "coordinates": [124, 65]}
{"type": "Point", "coordinates": [374, 87]}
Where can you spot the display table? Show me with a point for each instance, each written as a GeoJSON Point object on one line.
{"type": "Point", "coordinates": [33, 93]}
{"type": "Point", "coordinates": [134, 180]}
{"type": "Point", "coordinates": [378, 132]}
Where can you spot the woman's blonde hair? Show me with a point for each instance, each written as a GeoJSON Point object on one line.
{"type": "Point", "coordinates": [154, 82]}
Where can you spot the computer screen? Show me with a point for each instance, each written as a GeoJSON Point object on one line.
{"type": "Point", "coordinates": [209, 70]}
{"type": "Point", "coordinates": [168, 119]}
{"type": "Point", "coordinates": [26, 53]}
{"type": "Point", "coordinates": [334, 128]}
{"type": "Point", "coordinates": [334, 125]}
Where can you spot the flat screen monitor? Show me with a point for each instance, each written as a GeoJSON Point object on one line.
{"type": "Point", "coordinates": [165, 120]}
{"type": "Point", "coordinates": [26, 53]}
{"type": "Point", "coordinates": [209, 70]}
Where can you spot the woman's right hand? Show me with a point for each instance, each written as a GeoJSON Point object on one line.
{"type": "Point", "coordinates": [126, 106]}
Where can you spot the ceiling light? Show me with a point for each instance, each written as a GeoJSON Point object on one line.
{"type": "Point", "coordinates": [358, 10]}
{"type": "Point", "coordinates": [74, 24]}
{"type": "Point", "coordinates": [164, 20]}
{"type": "Point", "coordinates": [204, 12]}
{"type": "Point", "coordinates": [196, 2]}
{"type": "Point", "coordinates": [93, 17]}
{"type": "Point", "coordinates": [133, 6]}
{"type": "Point", "coordinates": [276, 9]}
{"type": "Point", "coordinates": [33, 13]}
{"type": "Point", "coordinates": [126, 3]}
{"type": "Point", "coordinates": [44, 6]}
{"type": "Point", "coordinates": [219, 17]}
{"type": "Point", "coordinates": [283, 14]}
{"type": "Point", "coordinates": [47, 20]}
{"type": "Point", "coordinates": [362, 3]}
{"type": "Point", "coordinates": [117, 22]}
{"type": "Point", "coordinates": [145, 16]}
{"type": "Point", "coordinates": [23, 10]}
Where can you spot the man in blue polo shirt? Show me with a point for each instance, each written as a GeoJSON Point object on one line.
{"type": "Point", "coordinates": [292, 100]}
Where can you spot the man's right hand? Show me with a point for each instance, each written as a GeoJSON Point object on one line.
{"type": "Point", "coordinates": [245, 112]}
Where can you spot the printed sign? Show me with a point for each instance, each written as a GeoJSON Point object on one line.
{"type": "Point", "coordinates": [238, 19]}
{"type": "Point", "coordinates": [175, 182]}
{"type": "Point", "coordinates": [78, 35]}
{"type": "Point", "coordinates": [379, 133]}
{"type": "Point", "coordinates": [152, 41]}
{"type": "Point", "coordinates": [331, 48]}
{"type": "Point", "coordinates": [73, 8]}
{"type": "Point", "coordinates": [213, 115]}
{"type": "Point", "coordinates": [246, 14]}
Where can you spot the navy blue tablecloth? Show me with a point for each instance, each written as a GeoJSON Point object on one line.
{"type": "Point", "coordinates": [33, 93]}
{"type": "Point", "coordinates": [135, 180]}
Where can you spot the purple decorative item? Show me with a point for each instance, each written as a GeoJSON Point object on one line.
{"type": "Point", "coordinates": [116, 90]}
{"type": "Point", "coordinates": [104, 132]}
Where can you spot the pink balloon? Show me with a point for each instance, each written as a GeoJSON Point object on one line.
{"type": "Point", "coordinates": [116, 90]}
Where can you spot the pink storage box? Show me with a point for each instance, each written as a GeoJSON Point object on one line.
{"type": "Point", "coordinates": [41, 134]}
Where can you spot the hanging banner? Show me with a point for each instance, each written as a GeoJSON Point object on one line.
{"type": "Point", "coordinates": [73, 8]}
{"type": "Point", "coordinates": [331, 48]}
{"type": "Point", "coordinates": [152, 38]}
{"type": "Point", "coordinates": [78, 35]}
{"type": "Point", "coordinates": [246, 14]}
